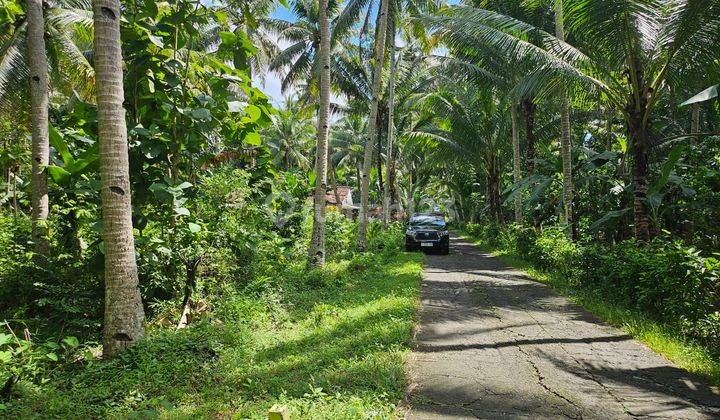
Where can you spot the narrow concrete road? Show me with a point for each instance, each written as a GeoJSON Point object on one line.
{"type": "Point", "coordinates": [493, 344]}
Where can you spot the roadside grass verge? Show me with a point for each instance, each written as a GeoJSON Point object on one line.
{"type": "Point", "coordinates": [661, 338]}
{"type": "Point", "coordinates": [331, 347]}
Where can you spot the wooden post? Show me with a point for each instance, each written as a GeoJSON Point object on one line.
{"type": "Point", "coordinates": [279, 412]}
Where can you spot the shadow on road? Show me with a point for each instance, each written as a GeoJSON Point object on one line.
{"type": "Point", "coordinates": [491, 344]}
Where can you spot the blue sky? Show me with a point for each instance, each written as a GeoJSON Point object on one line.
{"type": "Point", "coordinates": [283, 12]}
{"type": "Point", "coordinates": [272, 80]}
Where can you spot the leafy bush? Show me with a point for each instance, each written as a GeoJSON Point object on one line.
{"type": "Point", "coordinates": [490, 232]}
{"type": "Point", "coordinates": [553, 250]}
{"type": "Point", "coordinates": [673, 282]}
{"type": "Point", "coordinates": [388, 241]}
{"type": "Point", "coordinates": [474, 229]}
{"type": "Point", "coordinates": [339, 235]}
{"type": "Point", "coordinates": [60, 288]}
{"type": "Point", "coordinates": [524, 239]}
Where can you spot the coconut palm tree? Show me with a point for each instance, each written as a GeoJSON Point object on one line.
{"type": "Point", "coordinates": [565, 146]}
{"type": "Point", "coordinates": [300, 61]}
{"type": "Point", "coordinates": [37, 64]}
{"type": "Point", "coordinates": [46, 46]}
{"type": "Point", "coordinates": [347, 144]}
{"type": "Point", "coordinates": [290, 136]}
{"type": "Point", "coordinates": [468, 126]}
{"type": "Point", "coordinates": [68, 40]}
{"type": "Point", "coordinates": [379, 59]}
{"type": "Point", "coordinates": [486, 66]}
{"type": "Point", "coordinates": [387, 199]}
{"type": "Point", "coordinates": [252, 18]}
{"type": "Point", "coordinates": [124, 313]}
{"type": "Point", "coordinates": [316, 252]}
{"type": "Point", "coordinates": [631, 51]}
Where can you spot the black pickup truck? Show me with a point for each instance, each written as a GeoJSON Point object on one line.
{"type": "Point", "coordinates": [427, 232]}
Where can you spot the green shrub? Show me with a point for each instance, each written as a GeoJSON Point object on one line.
{"type": "Point", "coordinates": [340, 235]}
{"type": "Point", "coordinates": [490, 232]}
{"type": "Point", "coordinates": [387, 241]}
{"type": "Point", "coordinates": [474, 229]}
{"type": "Point", "coordinates": [520, 239]}
{"type": "Point", "coordinates": [673, 282]}
{"type": "Point", "coordinates": [553, 250]}
{"type": "Point", "coordinates": [493, 233]}
{"type": "Point", "coordinates": [22, 360]}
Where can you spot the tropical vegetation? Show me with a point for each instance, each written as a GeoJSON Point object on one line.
{"type": "Point", "coordinates": [166, 242]}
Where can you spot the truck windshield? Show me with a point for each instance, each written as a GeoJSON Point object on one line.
{"type": "Point", "coordinates": [427, 221]}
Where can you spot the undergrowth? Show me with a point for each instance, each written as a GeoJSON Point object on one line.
{"type": "Point", "coordinates": [332, 345]}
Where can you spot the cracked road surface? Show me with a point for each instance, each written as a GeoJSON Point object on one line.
{"type": "Point", "coordinates": [493, 344]}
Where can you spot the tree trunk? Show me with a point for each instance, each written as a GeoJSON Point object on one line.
{"type": "Point", "coordinates": [493, 193]}
{"type": "Point", "coordinates": [395, 185]}
{"type": "Point", "coordinates": [609, 128]}
{"type": "Point", "coordinates": [640, 141]}
{"type": "Point", "coordinates": [517, 175]}
{"type": "Point", "coordinates": [410, 195]}
{"type": "Point", "coordinates": [37, 63]}
{"type": "Point", "coordinates": [16, 209]}
{"type": "Point", "coordinates": [565, 145]}
{"type": "Point", "coordinates": [566, 152]}
{"type": "Point", "coordinates": [249, 34]}
{"type": "Point", "coordinates": [395, 192]}
{"type": "Point", "coordinates": [316, 252]}
{"type": "Point", "coordinates": [372, 124]}
{"type": "Point", "coordinates": [529, 115]}
{"type": "Point", "coordinates": [387, 196]}
{"type": "Point", "coordinates": [378, 163]}
{"type": "Point", "coordinates": [191, 268]}
{"type": "Point", "coordinates": [124, 314]}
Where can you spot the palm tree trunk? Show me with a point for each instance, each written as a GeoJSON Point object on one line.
{"type": "Point", "coordinates": [517, 175]}
{"type": "Point", "coordinates": [395, 185]}
{"type": "Point", "coordinates": [565, 147]}
{"type": "Point", "coordinates": [410, 195]}
{"type": "Point", "coordinates": [37, 63]}
{"type": "Point", "coordinates": [316, 252]}
{"type": "Point", "coordinates": [372, 124]}
{"type": "Point", "coordinates": [639, 177]}
{"type": "Point", "coordinates": [387, 197]}
{"type": "Point", "coordinates": [124, 313]}
{"type": "Point", "coordinates": [16, 209]}
{"type": "Point", "coordinates": [566, 152]}
{"type": "Point", "coordinates": [249, 34]}
{"type": "Point", "coordinates": [529, 115]}
{"type": "Point", "coordinates": [493, 192]}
